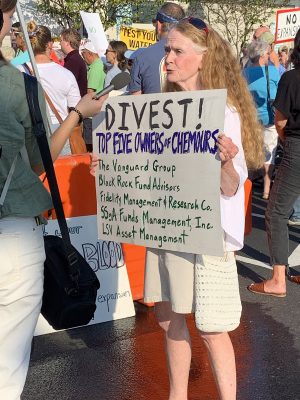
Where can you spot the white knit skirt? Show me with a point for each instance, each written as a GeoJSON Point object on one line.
{"type": "Point", "coordinates": [206, 285]}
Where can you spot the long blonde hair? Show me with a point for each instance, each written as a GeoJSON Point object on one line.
{"type": "Point", "coordinates": [221, 70]}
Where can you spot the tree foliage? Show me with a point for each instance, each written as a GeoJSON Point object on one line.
{"type": "Point", "coordinates": [236, 19]}
{"type": "Point", "coordinates": [66, 12]}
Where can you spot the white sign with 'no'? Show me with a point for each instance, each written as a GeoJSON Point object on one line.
{"type": "Point", "coordinates": [287, 25]}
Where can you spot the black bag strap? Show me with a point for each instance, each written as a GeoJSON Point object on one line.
{"type": "Point", "coordinates": [268, 84]}
{"type": "Point", "coordinates": [31, 87]}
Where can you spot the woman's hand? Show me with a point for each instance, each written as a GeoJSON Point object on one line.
{"type": "Point", "coordinates": [89, 106]}
{"type": "Point", "coordinates": [227, 149]}
{"type": "Point", "coordinates": [94, 162]}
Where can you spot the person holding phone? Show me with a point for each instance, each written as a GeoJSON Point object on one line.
{"type": "Point", "coordinates": [22, 203]}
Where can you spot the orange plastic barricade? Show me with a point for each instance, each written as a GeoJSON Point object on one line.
{"type": "Point", "coordinates": [78, 194]}
{"type": "Point", "coordinates": [248, 207]}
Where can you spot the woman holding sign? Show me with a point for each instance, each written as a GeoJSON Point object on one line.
{"type": "Point", "coordinates": [198, 58]}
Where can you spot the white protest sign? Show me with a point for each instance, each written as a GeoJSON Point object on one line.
{"type": "Point", "coordinates": [158, 180]}
{"type": "Point", "coordinates": [114, 300]}
{"type": "Point", "coordinates": [287, 25]}
{"type": "Point", "coordinates": [95, 31]}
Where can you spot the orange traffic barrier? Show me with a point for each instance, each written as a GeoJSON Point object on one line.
{"type": "Point", "coordinates": [78, 194]}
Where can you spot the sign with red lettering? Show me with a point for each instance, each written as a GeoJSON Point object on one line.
{"type": "Point", "coordinates": [287, 25]}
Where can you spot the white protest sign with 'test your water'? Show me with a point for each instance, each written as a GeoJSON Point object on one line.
{"type": "Point", "coordinates": [95, 30]}
{"type": "Point", "coordinates": [158, 178]}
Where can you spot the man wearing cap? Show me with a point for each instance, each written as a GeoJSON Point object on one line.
{"type": "Point", "coordinates": [263, 34]}
{"type": "Point", "coordinates": [95, 83]}
{"type": "Point", "coordinates": [147, 73]}
{"type": "Point", "coordinates": [95, 73]}
{"type": "Point", "coordinates": [269, 38]}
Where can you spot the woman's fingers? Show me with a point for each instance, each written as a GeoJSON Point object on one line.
{"type": "Point", "coordinates": [94, 161]}
{"type": "Point", "coordinates": [227, 149]}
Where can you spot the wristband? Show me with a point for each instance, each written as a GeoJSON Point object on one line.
{"type": "Point", "coordinates": [78, 113]}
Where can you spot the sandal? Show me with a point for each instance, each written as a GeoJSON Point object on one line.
{"type": "Point", "coordinates": [259, 288]}
{"type": "Point", "coordinates": [265, 196]}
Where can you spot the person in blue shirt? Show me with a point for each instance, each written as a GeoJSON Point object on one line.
{"type": "Point", "coordinates": [148, 70]}
{"type": "Point", "coordinates": [263, 82]}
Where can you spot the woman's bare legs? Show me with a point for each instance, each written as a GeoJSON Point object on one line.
{"type": "Point", "coordinates": [222, 361]}
{"type": "Point", "coordinates": [178, 349]}
{"type": "Point", "coordinates": [268, 173]}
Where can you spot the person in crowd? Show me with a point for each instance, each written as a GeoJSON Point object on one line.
{"type": "Point", "coordinates": [130, 56]}
{"type": "Point", "coordinates": [7, 52]}
{"type": "Point", "coordinates": [95, 72]}
{"type": "Point", "coordinates": [264, 34]}
{"type": "Point", "coordinates": [259, 31]}
{"type": "Point", "coordinates": [70, 43]}
{"type": "Point", "coordinates": [269, 38]}
{"type": "Point", "coordinates": [18, 39]}
{"type": "Point", "coordinates": [148, 71]}
{"type": "Point", "coordinates": [286, 188]}
{"type": "Point", "coordinates": [59, 85]}
{"type": "Point", "coordinates": [261, 76]}
{"type": "Point", "coordinates": [283, 54]}
{"type": "Point", "coordinates": [22, 251]}
{"type": "Point", "coordinates": [244, 58]}
{"type": "Point", "coordinates": [57, 55]}
{"type": "Point", "coordinates": [115, 56]}
{"type": "Point", "coordinates": [193, 51]}
{"type": "Point", "coordinates": [295, 217]}
{"type": "Point", "coordinates": [193, 54]}
{"type": "Point", "coordinates": [7, 9]}
{"type": "Point", "coordinates": [95, 83]}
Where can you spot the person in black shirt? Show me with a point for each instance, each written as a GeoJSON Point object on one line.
{"type": "Point", "coordinates": [286, 188]}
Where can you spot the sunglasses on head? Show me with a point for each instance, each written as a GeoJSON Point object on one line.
{"type": "Point", "coordinates": [162, 17]}
{"type": "Point", "coordinates": [197, 23]}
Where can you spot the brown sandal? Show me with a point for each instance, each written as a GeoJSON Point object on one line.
{"type": "Point", "coordinates": [259, 288]}
{"type": "Point", "coordinates": [294, 279]}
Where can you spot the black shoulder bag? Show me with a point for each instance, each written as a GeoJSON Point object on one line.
{"type": "Point", "coordinates": [70, 286]}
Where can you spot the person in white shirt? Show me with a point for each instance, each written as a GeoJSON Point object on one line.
{"type": "Point", "coordinates": [198, 58]}
{"type": "Point", "coordinates": [59, 84]}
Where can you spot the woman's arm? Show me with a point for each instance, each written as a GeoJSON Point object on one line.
{"type": "Point", "coordinates": [88, 107]}
{"type": "Point", "coordinates": [280, 123]}
{"type": "Point", "coordinates": [230, 179]}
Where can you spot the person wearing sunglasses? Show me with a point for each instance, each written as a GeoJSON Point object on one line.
{"type": "Point", "coordinates": [148, 70]}
{"type": "Point", "coordinates": [23, 199]}
{"type": "Point", "coordinates": [115, 56]}
{"type": "Point", "coordinates": [198, 58]}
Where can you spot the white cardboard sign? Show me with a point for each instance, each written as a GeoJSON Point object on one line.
{"type": "Point", "coordinates": [114, 300]}
{"type": "Point", "coordinates": [95, 31]}
{"type": "Point", "coordinates": [287, 25]}
{"type": "Point", "coordinates": [158, 179]}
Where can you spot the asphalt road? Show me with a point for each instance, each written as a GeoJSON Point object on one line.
{"type": "Point", "coordinates": [124, 359]}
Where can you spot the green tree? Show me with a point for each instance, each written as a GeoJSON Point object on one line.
{"type": "Point", "coordinates": [236, 19]}
{"type": "Point", "coordinates": [66, 12]}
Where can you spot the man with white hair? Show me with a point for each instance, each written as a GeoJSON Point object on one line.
{"type": "Point", "coordinates": [95, 73]}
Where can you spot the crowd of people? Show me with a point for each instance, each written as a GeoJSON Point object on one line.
{"type": "Point", "coordinates": [262, 103]}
